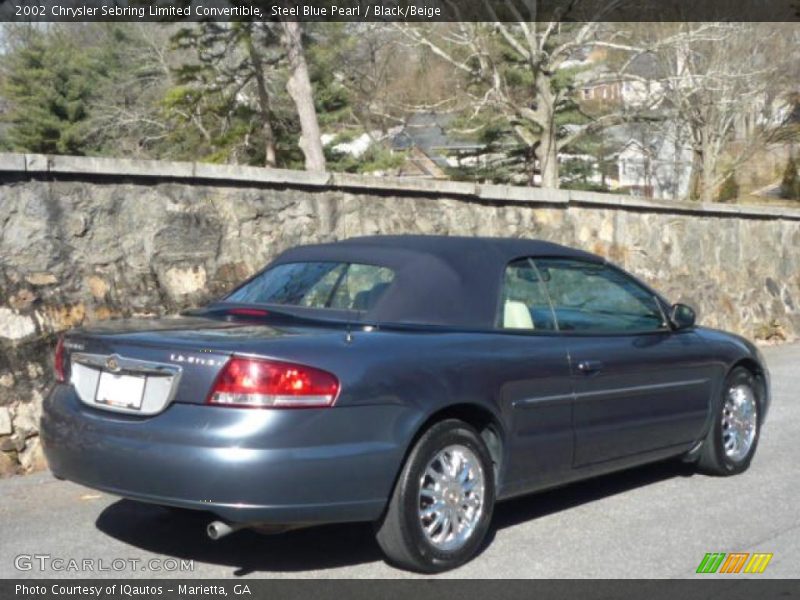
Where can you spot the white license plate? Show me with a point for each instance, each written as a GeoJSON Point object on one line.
{"type": "Point", "coordinates": [124, 391]}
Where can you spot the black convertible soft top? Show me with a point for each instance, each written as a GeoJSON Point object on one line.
{"type": "Point", "coordinates": [439, 280]}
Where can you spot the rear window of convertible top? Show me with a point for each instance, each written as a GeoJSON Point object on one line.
{"type": "Point", "coordinates": [337, 285]}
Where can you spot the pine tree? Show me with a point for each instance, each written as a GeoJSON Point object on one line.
{"type": "Point", "coordinates": [49, 86]}
{"type": "Point", "coordinates": [226, 106]}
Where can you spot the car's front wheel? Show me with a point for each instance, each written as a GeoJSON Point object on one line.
{"type": "Point", "coordinates": [731, 442]}
{"type": "Point", "coordinates": [442, 503]}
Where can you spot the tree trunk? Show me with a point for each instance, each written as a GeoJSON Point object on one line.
{"type": "Point", "coordinates": [547, 152]}
{"type": "Point", "coordinates": [264, 104]}
{"type": "Point", "coordinates": [695, 177]}
{"type": "Point", "coordinates": [709, 178]}
{"type": "Point", "coordinates": [530, 162]}
{"type": "Point", "coordinates": [270, 160]}
{"type": "Point", "coordinates": [299, 88]}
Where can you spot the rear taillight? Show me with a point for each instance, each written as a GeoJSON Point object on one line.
{"type": "Point", "coordinates": [58, 362]}
{"type": "Point", "coordinates": [255, 383]}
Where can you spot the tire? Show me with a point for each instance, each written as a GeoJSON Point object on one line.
{"type": "Point", "coordinates": [400, 533]}
{"type": "Point", "coordinates": [715, 459]}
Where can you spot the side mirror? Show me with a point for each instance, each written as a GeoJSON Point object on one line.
{"type": "Point", "coordinates": [682, 316]}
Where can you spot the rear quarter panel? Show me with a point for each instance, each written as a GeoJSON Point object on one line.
{"type": "Point", "coordinates": [430, 372]}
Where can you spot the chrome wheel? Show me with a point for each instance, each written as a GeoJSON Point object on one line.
{"type": "Point", "coordinates": [739, 421]}
{"type": "Point", "coordinates": [451, 497]}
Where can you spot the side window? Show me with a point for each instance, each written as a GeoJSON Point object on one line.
{"type": "Point", "coordinates": [524, 304]}
{"type": "Point", "coordinates": [597, 298]}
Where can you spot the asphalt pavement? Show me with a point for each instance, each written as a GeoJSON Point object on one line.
{"type": "Point", "coordinates": [653, 522]}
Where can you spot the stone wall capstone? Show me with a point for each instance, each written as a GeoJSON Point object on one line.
{"type": "Point", "coordinates": [87, 239]}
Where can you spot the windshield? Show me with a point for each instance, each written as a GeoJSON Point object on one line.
{"type": "Point", "coordinates": [336, 285]}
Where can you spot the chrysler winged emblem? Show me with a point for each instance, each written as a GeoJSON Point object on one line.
{"type": "Point", "coordinates": [112, 363]}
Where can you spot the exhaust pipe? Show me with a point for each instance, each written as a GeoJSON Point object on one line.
{"type": "Point", "coordinates": [219, 529]}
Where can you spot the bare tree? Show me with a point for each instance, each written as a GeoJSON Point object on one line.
{"type": "Point", "coordinates": [717, 78]}
{"type": "Point", "coordinates": [126, 113]}
{"type": "Point", "coordinates": [375, 67]}
{"type": "Point", "coordinates": [516, 70]}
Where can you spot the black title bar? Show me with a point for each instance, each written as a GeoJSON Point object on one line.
{"type": "Point", "coordinates": [436, 589]}
{"type": "Point", "coordinates": [401, 10]}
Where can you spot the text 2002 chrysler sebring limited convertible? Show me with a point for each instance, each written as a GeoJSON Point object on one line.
{"type": "Point", "coordinates": [410, 381]}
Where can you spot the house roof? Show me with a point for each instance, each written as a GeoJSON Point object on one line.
{"type": "Point", "coordinates": [645, 66]}
{"type": "Point", "coordinates": [428, 132]}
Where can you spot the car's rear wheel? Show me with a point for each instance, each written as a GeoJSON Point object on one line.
{"type": "Point", "coordinates": [731, 442]}
{"type": "Point", "coordinates": [442, 503]}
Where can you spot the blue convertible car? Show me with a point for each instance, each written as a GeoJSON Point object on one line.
{"type": "Point", "coordinates": [411, 381]}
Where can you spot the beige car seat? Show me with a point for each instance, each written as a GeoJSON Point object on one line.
{"type": "Point", "coordinates": [516, 315]}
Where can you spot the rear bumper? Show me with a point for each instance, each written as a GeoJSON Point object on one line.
{"type": "Point", "coordinates": [245, 465]}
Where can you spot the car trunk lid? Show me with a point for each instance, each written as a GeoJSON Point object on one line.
{"type": "Point", "coordinates": [141, 366]}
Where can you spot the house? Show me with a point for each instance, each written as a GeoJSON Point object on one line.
{"type": "Point", "coordinates": [652, 164]}
{"type": "Point", "coordinates": [650, 160]}
{"type": "Point", "coordinates": [637, 85]}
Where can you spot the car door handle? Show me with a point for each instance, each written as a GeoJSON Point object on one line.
{"type": "Point", "coordinates": [590, 366]}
